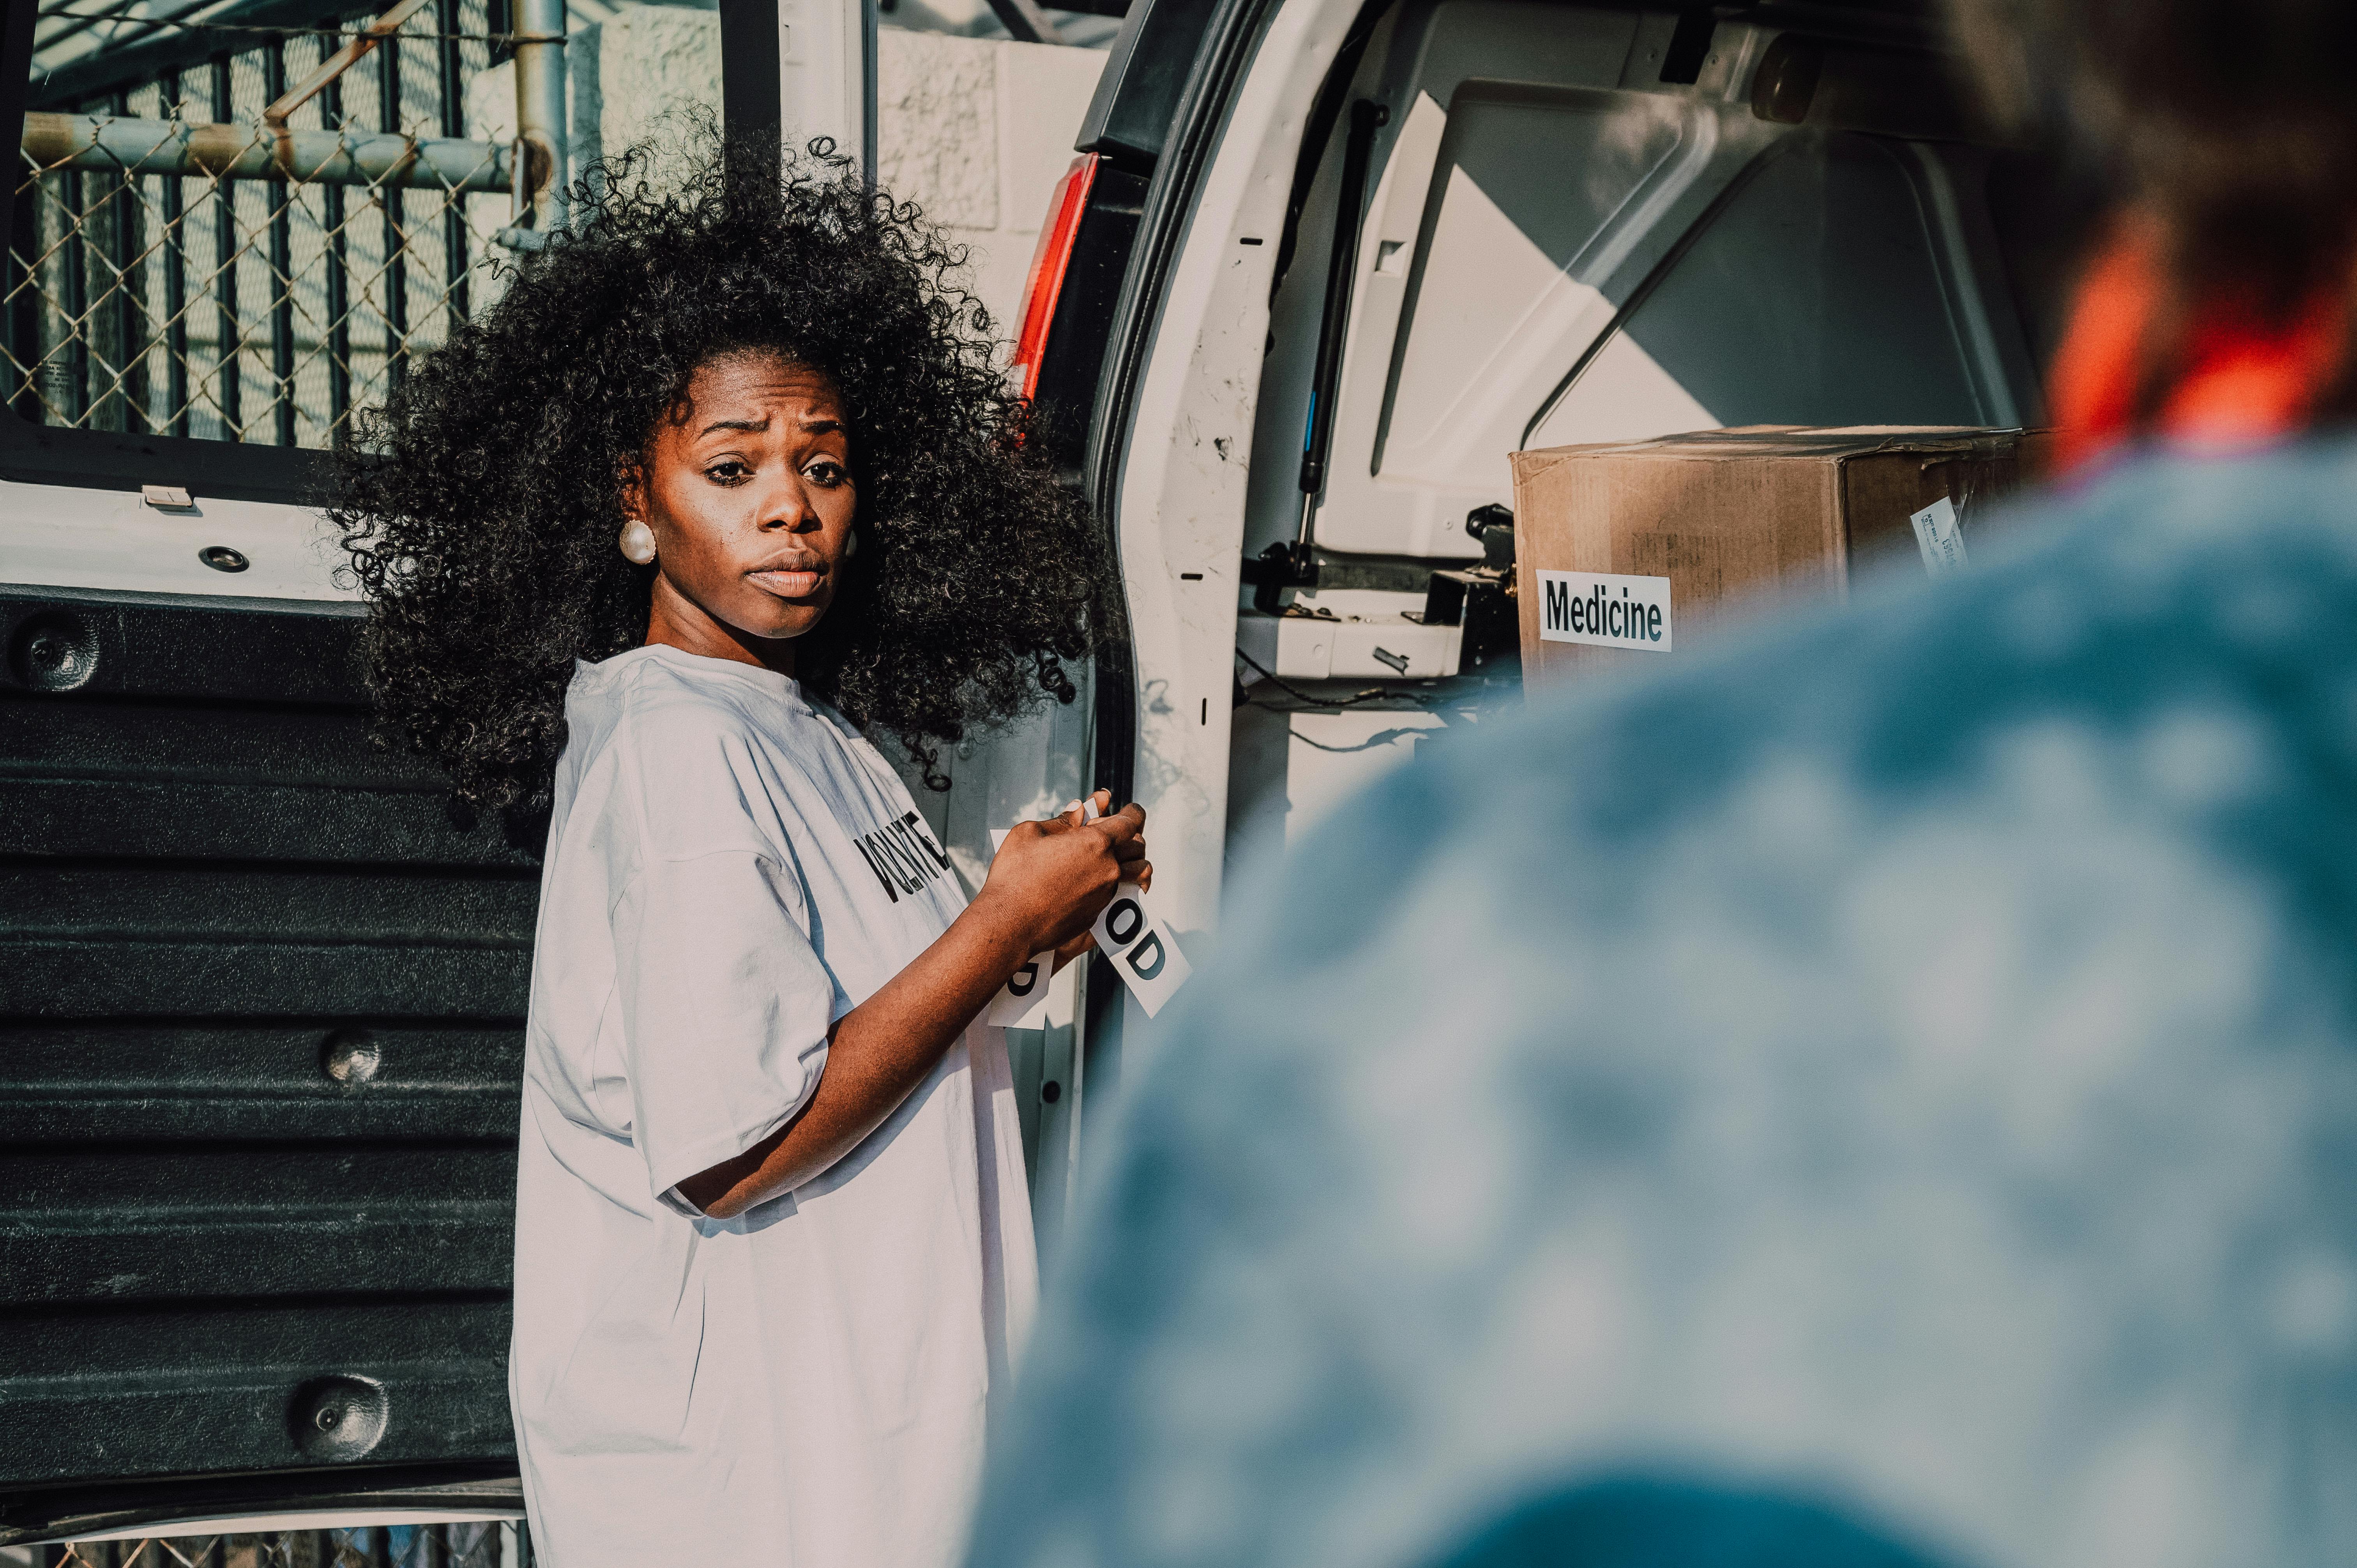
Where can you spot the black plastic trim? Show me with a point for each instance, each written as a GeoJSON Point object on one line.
{"type": "Point", "coordinates": [1324, 110]}
{"type": "Point", "coordinates": [1145, 81]}
{"type": "Point", "coordinates": [749, 87]}
{"type": "Point", "coordinates": [752, 91]}
{"type": "Point", "coordinates": [240, 604]}
{"type": "Point", "coordinates": [64, 1513]}
{"type": "Point", "coordinates": [1367, 117]}
{"type": "Point", "coordinates": [1689, 46]}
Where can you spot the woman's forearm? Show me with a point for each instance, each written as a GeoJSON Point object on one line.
{"type": "Point", "coordinates": [876, 1054]}
{"type": "Point", "coordinates": [1046, 883]}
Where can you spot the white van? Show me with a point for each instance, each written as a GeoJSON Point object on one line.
{"type": "Point", "coordinates": [1357, 252]}
{"type": "Point", "coordinates": [1320, 267]}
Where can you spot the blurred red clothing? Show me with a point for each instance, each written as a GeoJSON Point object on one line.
{"type": "Point", "coordinates": [2244, 379]}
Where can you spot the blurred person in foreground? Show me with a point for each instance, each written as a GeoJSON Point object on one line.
{"type": "Point", "coordinates": [1884, 1093]}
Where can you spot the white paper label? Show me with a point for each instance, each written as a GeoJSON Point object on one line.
{"type": "Point", "coordinates": [1149, 961]}
{"type": "Point", "coordinates": [1604, 610]}
{"type": "Point", "coordinates": [1940, 537]}
{"type": "Point", "coordinates": [1022, 1002]}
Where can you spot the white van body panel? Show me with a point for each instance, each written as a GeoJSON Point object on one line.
{"type": "Point", "coordinates": [1185, 471]}
{"type": "Point", "coordinates": [62, 536]}
{"type": "Point", "coordinates": [1556, 247]}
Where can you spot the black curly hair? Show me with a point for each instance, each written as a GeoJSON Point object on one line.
{"type": "Point", "coordinates": [480, 506]}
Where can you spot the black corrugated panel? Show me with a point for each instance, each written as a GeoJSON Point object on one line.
{"type": "Point", "coordinates": [261, 1005]}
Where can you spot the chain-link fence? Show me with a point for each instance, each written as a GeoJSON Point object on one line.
{"type": "Point", "coordinates": [476, 1545]}
{"type": "Point", "coordinates": [251, 282]}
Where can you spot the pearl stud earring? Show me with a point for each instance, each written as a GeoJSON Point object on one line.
{"type": "Point", "coordinates": [638, 541]}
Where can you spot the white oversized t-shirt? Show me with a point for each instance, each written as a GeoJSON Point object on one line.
{"type": "Point", "coordinates": [731, 868]}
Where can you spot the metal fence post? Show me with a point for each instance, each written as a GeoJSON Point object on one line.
{"type": "Point", "coordinates": [175, 283]}
{"type": "Point", "coordinates": [282, 266]}
{"type": "Point", "coordinates": [230, 350]}
{"type": "Point", "coordinates": [339, 275]}
{"type": "Point", "coordinates": [25, 297]}
{"type": "Point", "coordinates": [77, 297]}
{"type": "Point", "coordinates": [126, 275]}
{"type": "Point", "coordinates": [396, 236]}
{"type": "Point", "coordinates": [539, 100]}
{"type": "Point", "coordinates": [454, 124]}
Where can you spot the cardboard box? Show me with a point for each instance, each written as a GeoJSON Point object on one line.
{"type": "Point", "coordinates": [1628, 550]}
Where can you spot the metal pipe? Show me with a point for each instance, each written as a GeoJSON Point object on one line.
{"type": "Point", "coordinates": [540, 103]}
{"type": "Point", "coordinates": [116, 145]}
{"type": "Point", "coordinates": [343, 60]}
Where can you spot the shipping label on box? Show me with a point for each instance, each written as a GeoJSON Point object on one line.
{"type": "Point", "coordinates": [1604, 610]}
{"type": "Point", "coordinates": [1939, 537]}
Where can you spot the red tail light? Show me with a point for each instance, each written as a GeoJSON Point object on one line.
{"type": "Point", "coordinates": [1048, 264]}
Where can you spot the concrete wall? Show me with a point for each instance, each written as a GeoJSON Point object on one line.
{"type": "Point", "coordinates": [975, 130]}
{"type": "Point", "coordinates": [628, 75]}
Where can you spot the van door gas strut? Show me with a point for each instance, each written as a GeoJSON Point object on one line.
{"type": "Point", "coordinates": [1294, 565]}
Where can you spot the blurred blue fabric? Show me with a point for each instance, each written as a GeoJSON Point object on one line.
{"type": "Point", "coordinates": [1666, 1524]}
{"type": "Point", "coordinates": [1895, 1066]}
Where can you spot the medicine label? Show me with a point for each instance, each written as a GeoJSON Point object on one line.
{"type": "Point", "coordinates": [1604, 610]}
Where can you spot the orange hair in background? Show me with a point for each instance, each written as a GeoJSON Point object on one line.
{"type": "Point", "coordinates": [2214, 373]}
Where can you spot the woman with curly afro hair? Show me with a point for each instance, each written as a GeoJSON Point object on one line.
{"type": "Point", "coordinates": [725, 475]}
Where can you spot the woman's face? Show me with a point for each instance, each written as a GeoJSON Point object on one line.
{"type": "Point", "coordinates": [747, 488]}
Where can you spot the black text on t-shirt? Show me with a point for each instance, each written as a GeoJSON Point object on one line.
{"type": "Point", "coordinates": [902, 854]}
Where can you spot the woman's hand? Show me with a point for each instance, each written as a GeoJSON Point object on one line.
{"type": "Point", "coordinates": [1045, 886]}
{"type": "Point", "coordinates": [1050, 879]}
